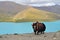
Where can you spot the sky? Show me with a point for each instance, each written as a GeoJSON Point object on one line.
{"type": "Point", "coordinates": [19, 1]}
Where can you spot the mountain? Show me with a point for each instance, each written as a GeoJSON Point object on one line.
{"type": "Point", "coordinates": [54, 9]}
{"type": "Point", "coordinates": [9, 8]}
{"type": "Point", "coordinates": [32, 14]}
{"type": "Point", "coordinates": [11, 11]}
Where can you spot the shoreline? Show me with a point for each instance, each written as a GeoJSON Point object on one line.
{"type": "Point", "coordinates": [31, 36]}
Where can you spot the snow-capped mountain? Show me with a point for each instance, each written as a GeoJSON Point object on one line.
{"type": "Point", "coordinates": [58, 3]}
{"type": "Point", "coordinates": [41, 4]}
{"type": "Point", "coordinates": [37, 3]}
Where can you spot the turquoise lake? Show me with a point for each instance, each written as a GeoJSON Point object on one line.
{"type": "Point", "coordinates": [26, 27]}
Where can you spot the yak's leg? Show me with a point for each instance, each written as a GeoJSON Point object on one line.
{"type": "Point", "coordinates": [42, 32]}
{"type": "Point", "coordinates": [35, 32]}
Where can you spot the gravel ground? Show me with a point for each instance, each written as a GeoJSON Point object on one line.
{"type": "Point", "coordinates": [31, 36]}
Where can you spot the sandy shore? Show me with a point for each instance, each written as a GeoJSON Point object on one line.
{"type": "Point", "coordinates": [31, 36]}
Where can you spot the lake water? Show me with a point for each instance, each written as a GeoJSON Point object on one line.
{"type": "Point", "coordinates": [25, 27]}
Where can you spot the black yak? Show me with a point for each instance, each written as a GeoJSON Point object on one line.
{"type": "Point", "coordinates": [39, 27]}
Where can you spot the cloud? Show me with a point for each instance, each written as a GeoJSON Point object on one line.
{"type": "Point", "coordinates": [2, 0]}
{"type": "Point", "coordinates": [19, 1]}
{"type": "Point", "coordinates": [30, 0]}
{"type": "Point", "coordinates": [39, 0]}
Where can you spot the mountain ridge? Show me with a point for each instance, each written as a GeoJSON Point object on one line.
{"type": "Point", "coordinates": [32, 14]}
{"type": "Point", "coordinates": [10, 8]}
{"type": "Point", "coordinates": [53, 9]}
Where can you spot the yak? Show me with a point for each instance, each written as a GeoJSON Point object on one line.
{"type": "Point", "coordinates": [39, 28]}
